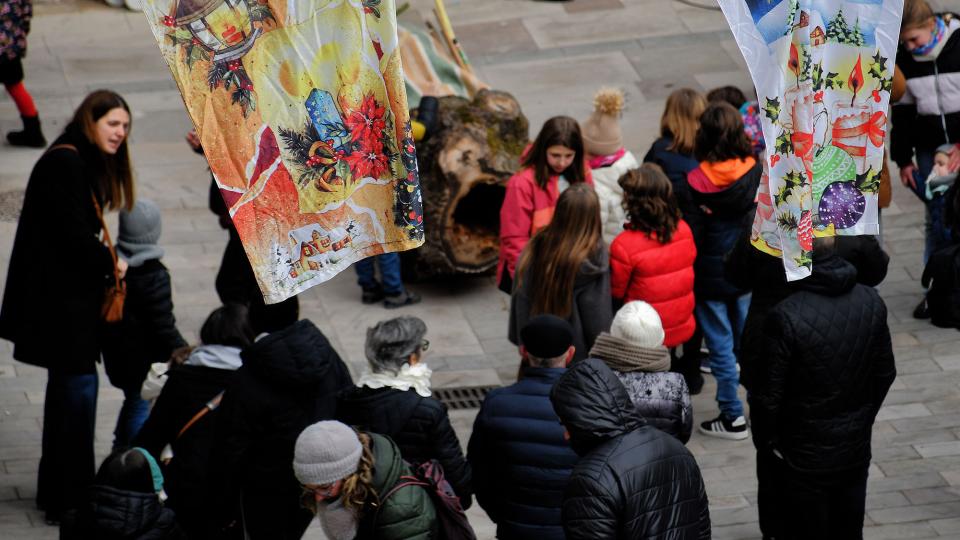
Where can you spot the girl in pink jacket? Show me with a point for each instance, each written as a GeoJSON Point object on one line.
{"type": "Point", "coordinates": [551, 164]}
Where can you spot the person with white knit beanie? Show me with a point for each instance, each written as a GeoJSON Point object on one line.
{"type": "Point", "coordinates": [634, 350]}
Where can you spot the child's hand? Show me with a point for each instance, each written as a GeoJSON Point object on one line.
{"type": "Point", "coordinates": [122, 267]}
{"type": "Point", "coordinates": [179, 356]}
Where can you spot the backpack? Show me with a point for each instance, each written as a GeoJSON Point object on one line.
{"type": "Point", "coordinates": [942, 276]}
{"type": "Point", "coordinates": [451, 519]}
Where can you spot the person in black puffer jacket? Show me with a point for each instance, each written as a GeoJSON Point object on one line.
{"type": "Point", "coordinates": [148, 332]}
{"type": "Point", "coordinates": [632, 481]}
{"type": "Point", "coordinates": [289, 380]}
{"type": "Point", "coordinates": [520, 457]}
{"type": "Point", "coordinates": [123, 503]}
{"type": "Point", "coordinates": [828, 365]}
{"type": "Point", "coordinates": [393, 399]}
{"type": "Point", "coordinates": [195, 388]}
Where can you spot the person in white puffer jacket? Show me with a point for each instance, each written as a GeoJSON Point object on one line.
{"type": "Point", "coordinates": [608, 159]}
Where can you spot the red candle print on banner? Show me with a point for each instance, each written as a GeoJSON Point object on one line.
{"type": "Point", "coordinates": [856, 79]}
{"type": "Point", "coordinates": [794, 62]}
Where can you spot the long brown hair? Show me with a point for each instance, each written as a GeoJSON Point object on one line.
{"type": "Point", "coordinates": [553, 256]}
{"type": "Point", "coordinates": [681, 118]}
{"type": "Point", "coordinates": [721, 135]}
{"type": "Point", "coordinates": [357, 489]}
{"type": "Point", "coordinates": [649, 202]}
{"type": "Point", "coordinates": [557, 131]}
{"type": "Point", "coordinates": [916, 14]}
{"type": "Point", "coordinates": [116, 183]}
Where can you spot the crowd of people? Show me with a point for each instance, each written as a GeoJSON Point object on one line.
{"type": "Point", "coordinates": [627, 280]}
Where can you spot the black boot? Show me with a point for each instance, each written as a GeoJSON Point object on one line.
{"type": "Point", "coordinates": [31, 135]}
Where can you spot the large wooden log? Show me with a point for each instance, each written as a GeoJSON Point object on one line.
{"type": "Point", "coordinates": [464, 166]}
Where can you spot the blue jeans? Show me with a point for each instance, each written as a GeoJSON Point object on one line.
{"type": "Point", "coordinates": [67, 462]}
{"type": "Point", "coordinates": [389, 273]}
{"type": "Point", "coordinates": [133, 413]}
{"type": "Point", "coordinates": [722, 324]}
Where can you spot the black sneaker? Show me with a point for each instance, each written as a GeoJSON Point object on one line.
{"type": "Point", "coordinates": [406, 298]}
{"type": "Point", "coordinates": [372, 295]}
{"type": "Point", "coordinates": [921, 311]}
{"type": "Point", "coordinates": [726, 429]}
{"type": "Point", "coordinates": [695, 385]}
{"type": "Point", "coordinates": [705, 364]}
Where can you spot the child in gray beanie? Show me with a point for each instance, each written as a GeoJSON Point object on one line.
{"type": "Point", "coordinates": [148, 332]}
{"type": "Point", "coordinates": [352, 482]}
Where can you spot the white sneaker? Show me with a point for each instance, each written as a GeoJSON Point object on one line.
{"type": "Point", "coordinates": [725, 429]}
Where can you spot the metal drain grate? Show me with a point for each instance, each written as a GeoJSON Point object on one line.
{"type": "Point", "coordinates": [467, 397]}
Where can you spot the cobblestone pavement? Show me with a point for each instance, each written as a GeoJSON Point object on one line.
{"type": "Point", "coordinates": [552, 56]}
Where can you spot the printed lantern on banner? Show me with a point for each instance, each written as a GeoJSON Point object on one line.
{"type": "Point", "coordinates": [224, 27]}
{"type": "Point", "coordinates": [823, 78]}
{"type": "Point", "coordinates": [302, 114]}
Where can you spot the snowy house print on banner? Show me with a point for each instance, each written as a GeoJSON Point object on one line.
{"type": "Point", "coordinates": [314, 248]}
{"type": "Point", "coordinates": [817, 37]}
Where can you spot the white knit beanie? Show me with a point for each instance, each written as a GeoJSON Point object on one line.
{"type": "Point", "coordinates": [326, 452]}
{"type": "Point", "coordinates": [638, 323]}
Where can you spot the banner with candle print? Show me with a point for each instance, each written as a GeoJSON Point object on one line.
{"type": "Point", "coordinates": [301, 109]}
{"type": "Point", "coordinates": [823, 71]}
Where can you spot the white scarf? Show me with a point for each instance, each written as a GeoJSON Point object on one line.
{"type": "Point", "coordinates": [337, 521]}
{"type": "Point", "coordinates": [416, 377]}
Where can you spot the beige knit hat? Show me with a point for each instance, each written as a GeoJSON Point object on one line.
{"type": "Point", "coordinates": [638, 323]}
{"type": "Point", "coordinates": [601, 132]}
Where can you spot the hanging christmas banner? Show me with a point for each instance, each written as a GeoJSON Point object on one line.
{"type": "Point", "coordinates": [301, 109]}
{"type": "Point", "coordinates": [823, 72]}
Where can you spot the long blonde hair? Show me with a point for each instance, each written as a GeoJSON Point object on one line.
{"type": "Point", "coordinates": [553, 256]}
{"type": "Point", "coordinates": [681, 119]}
{"type": "Point", "coordinates": [916, 14]}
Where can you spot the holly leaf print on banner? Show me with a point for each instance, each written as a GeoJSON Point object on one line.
{"type": "Point", "coordinates": [772, 109]}
{"type": "Point", "coordinates": [784, 142]}
{"type": "Point", "coordinates": [869, 180]}
{"type": "Point", "coordinates": [791, 180]}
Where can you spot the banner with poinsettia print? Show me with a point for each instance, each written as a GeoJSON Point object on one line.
{"type": "Point", "coordinates": [301, 109]}
{"type": "Point", "coordinates": [823, 71]}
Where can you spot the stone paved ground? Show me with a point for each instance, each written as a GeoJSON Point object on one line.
{"type": "Point", "coordinates": [552, 56]}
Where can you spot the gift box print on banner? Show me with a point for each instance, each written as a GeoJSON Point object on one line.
{"type": "Point", "coordinates": [823, 72]}
{"type": "Point", "coordinates": [301, 109]}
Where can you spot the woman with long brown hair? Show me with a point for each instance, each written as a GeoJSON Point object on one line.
{"type": "Point", "coordinates": [56, 282]}
{"type": "Point", "coordinates": [352, 482]}
{"type": "Point", "coordinates": [673, 150]}
{"type": "Point", "coordinates": [553, 162]}
{"type": "Point", "coordinates": [563, 271]}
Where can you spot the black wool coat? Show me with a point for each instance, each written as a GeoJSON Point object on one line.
{"type": "Point", "coordinates": [419, 425]}
{"type": "Point", "coordinates": [58, 268]}
{"type": "Point", "coordinates": [827, 365]}
{"type": "Point", "coordinates": [288, 381]}
{"type": "Point", "coordinates": [633, 481]}
{"type": "Point", "coordinates": [148, 332]}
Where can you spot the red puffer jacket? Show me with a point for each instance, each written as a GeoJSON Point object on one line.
{"type": "Point", "coordinates": [641, 268]}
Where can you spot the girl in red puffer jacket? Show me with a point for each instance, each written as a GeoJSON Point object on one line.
{"type": "Point", "coordinates": [652, 259]}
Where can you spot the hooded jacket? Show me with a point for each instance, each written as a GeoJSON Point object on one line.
{"type": "Point", "coordinates": [289, 380]}
{"type": "Point", "coordinates": [674, 164]}
{"type": "Point", "coordinates": [521, 461]}
{"type": "Point", "coordinates": [632, 481]}
{"type": "Point", "coordinates": [592, 306]}
{"type": "Point", "coordinates": [718, 203]}
{"type": "Point", "coordinates": [55, 322]}
{"type": "Point", "coordinates": [148, 332]}
{"type": "Point", "coordinates": [828, 363]}
{"type": "Point", "coordinates": [114, 514]}
{"type": "Point", "coordinates": [606, 181]}
{"type": "Point", "coordinates": [408, 513]}
{"type": "Point", "coordinates": [419, 425]}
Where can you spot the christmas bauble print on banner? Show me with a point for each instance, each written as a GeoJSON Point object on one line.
{"type": "Point", "coordinates": [302, 113]}
{"type": "Point", "coordinates": [823, 71]}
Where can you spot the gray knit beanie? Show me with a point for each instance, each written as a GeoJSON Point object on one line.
{"type": "Point", "coordinates": [326, 452]}
{"type": "Point", "coordinates": [139, 233]}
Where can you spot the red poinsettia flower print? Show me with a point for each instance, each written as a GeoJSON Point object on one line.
{"type": "Point", "coordinates": [366, 124]}
{"type": "Point", "coordinates": [368, 160]}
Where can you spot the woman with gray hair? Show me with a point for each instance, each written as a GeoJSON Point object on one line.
{"type": "Point", "coordinates": [393, 398]}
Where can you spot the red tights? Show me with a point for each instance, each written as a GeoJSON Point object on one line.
{"type": "Point", "coordinates": [23, 99]}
